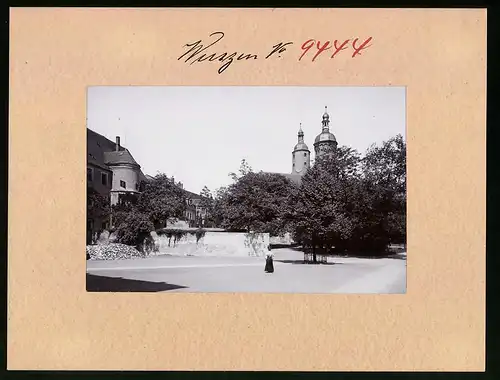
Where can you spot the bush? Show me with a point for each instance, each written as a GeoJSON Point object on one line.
{"type": "Point", "coordinates": [134, 229]}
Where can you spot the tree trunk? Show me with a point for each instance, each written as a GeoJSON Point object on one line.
{"type": "Point", "coordinates": [314, 248]}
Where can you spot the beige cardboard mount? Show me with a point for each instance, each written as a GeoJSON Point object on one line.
{"type": "Point", "coordinates": [53, 323]}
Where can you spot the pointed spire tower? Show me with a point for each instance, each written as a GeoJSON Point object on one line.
{"type": "Point", "coordinates": [325, 143]}
{"type": "Point", "coordinates": [301, 156]}
{"type": "Point", "coordinates": [300, 134]}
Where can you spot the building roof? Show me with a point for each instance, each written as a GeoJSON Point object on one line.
{"type": "Point", "coordinates": [119, 157]}
{"type": "Point", "coordinates": [101, 151]}
{"type": "Point", "coordinates": [142, 177]}
{"type": "Point", "coordinates": [325, 136]}
{"type": "Point", "coordinates": [300, 146]}
{"type": "Point", "coordinates": [192, 195]}
{"type": "Point", "coordinates": [96, 146]}
{"type": "Point", "coordinates": [93, 162]}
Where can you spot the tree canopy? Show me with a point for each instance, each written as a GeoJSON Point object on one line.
{"type": "Point", "coordinates": [98, 205]}
{"type": "Point", "coordinates": [353, 202]}
{"type": "Point", "coordinates": [326, 205]}
{"type": "Point", "coordinates": [162, 200]}
{"type": "Point", "coordinates": [345, 202]}
{"type": "Point", "coordinates": [135, 216]}
{"type": "Point", "coordinates": [257, 202]}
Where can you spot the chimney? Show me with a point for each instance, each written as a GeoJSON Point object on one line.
{"type": "Point", "coordinates": [117, 143]}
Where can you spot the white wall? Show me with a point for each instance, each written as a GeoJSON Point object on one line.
{"type": "Point", "coordinates": [215, 244]}
{"type": "Point", "coordinates": [125, 173]}
{"type": "Point", "coordinates": [301, 162]}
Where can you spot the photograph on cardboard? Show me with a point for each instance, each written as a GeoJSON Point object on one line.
{"type": "Point", "coordinates": [246, 189]}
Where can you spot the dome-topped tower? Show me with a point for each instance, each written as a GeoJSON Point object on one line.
{"type": "Point", "coordinates": [325, 143]}
{"type": "Point", "coordinates": [301, 156]}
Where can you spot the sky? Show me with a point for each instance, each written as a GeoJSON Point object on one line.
{"type": "Point", "coordinates": [200, 134]}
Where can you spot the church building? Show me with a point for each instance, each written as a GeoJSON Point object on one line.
{"type": "Point", "coordinates": [325, 145]}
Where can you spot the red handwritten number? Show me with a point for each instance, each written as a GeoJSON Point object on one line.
{"type": "Point", "coordinates": [306, 46]}
{"type": "Point", "coordinates": [321, 49]}
{"type": "Point", "coordinates": [357, 50]}
{"type": "Point", "coordinates": [337, 45]}
{"type": "Point", "coordinates": [343, 46]}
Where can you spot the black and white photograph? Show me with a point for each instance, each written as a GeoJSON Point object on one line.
{"type": "Point", "coordinates": [246, 189]}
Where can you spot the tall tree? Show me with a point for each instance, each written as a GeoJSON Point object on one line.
{"type": "Point", "coordinates": [386, 164]}
{"type": "Point", "coordinates": [162, 200]}
{"type": "Point", "coordinates": [384, 170]}
{"type": "Point", "coordinates": [325, 205]}
{"type": "Point", "coordinates": [258, 202]}
{"type": "Point", "coordinates": [207, 204]}
{"type": "Point", "coordinates": [244, 169]}
{"type": "Point", "coordinates": [219, 200]}
{"type": "Point", "coordinates": [135, 217]}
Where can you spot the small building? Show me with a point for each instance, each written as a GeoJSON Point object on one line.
{"type": "Point", "coordinates": [195, 213]}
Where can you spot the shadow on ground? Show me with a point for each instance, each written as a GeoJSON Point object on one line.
{"type": "Point", "coordinates": [381, 256]}
{"type": "Point", "coordinates": [119, 284]}
{"type": "Point", "coordinates": [306, 262]}
{"type": "Point", "coordinates": [392, 254]}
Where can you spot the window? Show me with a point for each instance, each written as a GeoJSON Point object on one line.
{"type": "Point", "coordinates": [90, 174]}
{"type": "Point", "coordinates": [104, 179]}
{"type": "Point", "coordinates": [123, 184]}
{"type": "Point", "coordinates": [305, 154]}
{"type": "Point", "coordinates": [137, 186]}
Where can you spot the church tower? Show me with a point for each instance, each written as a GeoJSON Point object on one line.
{"type": "Point", "coordinates": [325, 143]}
{"type": "Point", "coordinates": [301, 156]}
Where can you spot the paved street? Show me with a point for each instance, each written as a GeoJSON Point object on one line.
{"type": "Point", "coordinates": [246, 274]}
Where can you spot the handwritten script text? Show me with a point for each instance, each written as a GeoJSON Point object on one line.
{"type": "Point", "coordinates": [200, 51]}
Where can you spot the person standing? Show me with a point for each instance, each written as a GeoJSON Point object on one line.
{"type": "Point", "coordinates": [269, 261]}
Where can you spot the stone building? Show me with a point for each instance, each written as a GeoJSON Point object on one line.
{"type": "Point", "coordinates": [113, 172]}
{"type": "Point", "coordinates": [195, 212]}
{"type": "Point", "coordinates": [325, 145]}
